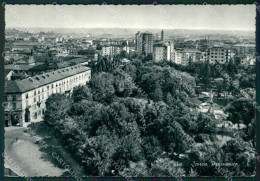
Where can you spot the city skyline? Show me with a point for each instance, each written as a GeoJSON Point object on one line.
{"type": "Point", "coordinates": [224, 17]}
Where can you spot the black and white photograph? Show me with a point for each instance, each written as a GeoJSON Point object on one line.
{"type": "Point", "coordinates": [130, 91]}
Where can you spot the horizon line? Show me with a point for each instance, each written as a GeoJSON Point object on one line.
{"type": "Point", "coordinates": [128, 28]}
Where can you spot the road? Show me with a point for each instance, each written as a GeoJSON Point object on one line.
{"type": "Point", "coordinates": [24, 156]}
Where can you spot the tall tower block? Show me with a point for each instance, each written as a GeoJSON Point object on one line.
{"type": "Point", "coordinates": [162, 34]}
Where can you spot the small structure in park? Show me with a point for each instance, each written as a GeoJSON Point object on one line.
{"type": "Point", "coordinates": [211, 95]}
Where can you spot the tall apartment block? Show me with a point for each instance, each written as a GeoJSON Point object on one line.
{"type": "Point", "coordinates": [144, 42]}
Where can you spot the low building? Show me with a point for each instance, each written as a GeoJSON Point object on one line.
{"type": "Point", "coordinates": [109, 42]}
{"type": "Point", "coordinates": [74, 61]}
{"type": "Point", "coordinates": [25, 46]}
{"type": "Point", "coordinates": [8, 74]}
{"type": "Point", "coordinates": [111, 50]}
{"type": "Point", "coordinates": [244, 48]}
{"type": "Point", "coordinates": [25, 99]}
{"type": "Point", "coordinates": [244, 59]}
{"type": "Point", "coordinates": [204, 56]}
{"type": "Point", "coordinates": [18, 69]}
{"type": "Point", "coordinates": [90, 54]}
{"type": "Point", "coordinates": [184, 56]}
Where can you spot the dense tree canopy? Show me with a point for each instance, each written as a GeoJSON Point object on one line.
{"type": "Point", "coordinates": [139, 119]}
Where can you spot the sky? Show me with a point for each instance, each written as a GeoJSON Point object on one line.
{"type": "Point", "coordinates": [211, 17]}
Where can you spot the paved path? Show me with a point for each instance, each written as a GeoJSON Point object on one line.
{"type": "Point", "coordinates": [26, 155]}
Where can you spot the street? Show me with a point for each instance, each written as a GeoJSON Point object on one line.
{"type": "Point", "coordinates": [24, 153]}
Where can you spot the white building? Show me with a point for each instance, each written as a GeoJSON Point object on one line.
{"type": "Point", "coordinates": [162, 51]}
{"type": "Point", "coordinates": [113, 50]}
{"type": "Point", "coordinates": [220, 54]}
{"type": "Point", "coordinates": [184, 56]}
{"type": "Point", "coordinates": [25, 99]}
{"type": "Point", "coordinates": [203, 56]}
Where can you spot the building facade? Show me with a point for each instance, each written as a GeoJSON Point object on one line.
{"type": "Point", "coordinates": [113, 50]}
{"type": "Point", "coordinates": [109, 42]}
{"type": "Point", "coordinates": [184, 56]}
{"type": "Point", "coordinates": [162, 51]}
{"type": "Point", "coordinates": [25, 99]}
{"type": "Point", "coordinates": [244, 59]}
{"type": "Point", "coordinates": [159, 52]}
{"type": "Point", "coordinates": [162, 35]}
{"type": "Point", "coordinates": [220, 54]}
{"type": "Point", "coordinates": [244, 48]}
{"type": "Point", "coordinates": [144, 42]}
{"type": "Point", "coordinates": [89, 54]}
{"type": "Point", "coordinates": [25, 46]}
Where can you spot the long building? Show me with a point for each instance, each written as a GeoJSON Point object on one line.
{"type": "Point", "coordinates": [244, 48]}
{"type": "Point", "coordinates": [25, 46]}
{"type": "Point", "coordinates": [25, 99]}
{"type": "Point", "coordinates": [110, 42]}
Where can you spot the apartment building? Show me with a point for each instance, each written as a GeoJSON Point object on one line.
{"type": "Point", "coordinates": [184, 56]}
{"type": "Point", "coordinates": [244, 48]}
{"type": "Point", "coordinates": [113, 50]}
{"type": "Point", "coordinates": [220, 54]}
{"type": "Point", "coordinates": [162, 51]}
{"type": "Point", "coordinates": [144, 42]}
{"type": "Point", "coordinates": [25, 99]}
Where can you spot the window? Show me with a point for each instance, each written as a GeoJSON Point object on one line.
{"type": "Point", "coordinates": [34, 99]}
{"type": "Point", "coordinates": [39, 91]}
{"type": "Point", "coordinates": [35, 92]}
{"type": "Point", "coordinates": [35, 115]}
{"type": "Point", "coordinates": [52, 86]}
{"type": "Point", "coordinates": [14, 105]}
{"type": "Point", "coordinates": [26, 96]}
{"type": "Point", "coordinates": [14, 97]}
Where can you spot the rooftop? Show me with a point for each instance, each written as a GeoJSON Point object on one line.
{"type": "Point", "coordinates": [159, 45]}
{"type": "Point", "coordinates": [18, 67]}
{"type": "Point", "coordinates": [245, 45]}
{"type": "Point", "coordinates": [190, 50]}
{"type": "Point", "coordinates": [25, 43]}
{"type": "Point", "coordinates": [25, 85]}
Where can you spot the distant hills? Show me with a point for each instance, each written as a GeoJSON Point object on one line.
{"type": "Point", "coordinates": [130, 32]}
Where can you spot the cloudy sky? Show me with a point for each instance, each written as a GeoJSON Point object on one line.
{"type": "Point", "coordinates": [218, 17]}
